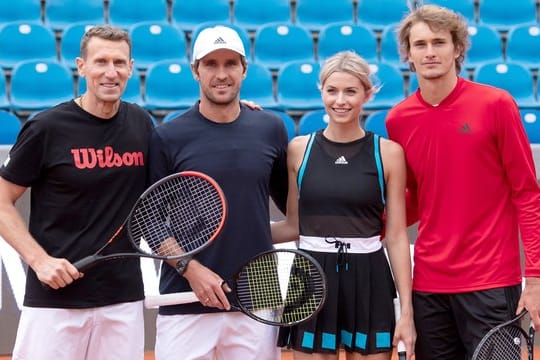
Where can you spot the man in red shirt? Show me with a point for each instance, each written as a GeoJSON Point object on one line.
{"type": "Point", "coordinates": [472, 186]}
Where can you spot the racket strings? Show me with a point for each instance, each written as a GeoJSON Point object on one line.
{"type": "Point", "coordinates": [303, 295]}
{"type": "Point", "coordinates": [507, 343]}
{"type": "Point", "coordinates": [177, 216]}
{"type": "Point", "coordinates": [280, 287]}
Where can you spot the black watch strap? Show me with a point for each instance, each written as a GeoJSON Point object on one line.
{"type": "Point", "coordinates": [182, 264]}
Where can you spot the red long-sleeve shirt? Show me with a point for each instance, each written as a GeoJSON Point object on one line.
{"type": "Point", "coordinates": [472, 186]}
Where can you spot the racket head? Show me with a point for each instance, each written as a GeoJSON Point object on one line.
{"type": "Point", "coordinates": [506, 341]}
{"type": "Point", "coordinates": [177, 216]}
{"type": "Point", "coordinates": [283, 287]}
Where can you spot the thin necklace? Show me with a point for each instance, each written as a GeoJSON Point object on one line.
{"type": "Point", "coordinates": [81, 102]}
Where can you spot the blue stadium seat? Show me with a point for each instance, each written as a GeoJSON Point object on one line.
{"type": "Point", "coordinates": [251, 16]}
{"type": "Point", "coordinates": [70, 43]}
{"type": "Point", "coordinates": [465, 7]}
{"type": "Point", "coordinates": [503, 15]}
{"type": "Point", "coordinates": [486, 46]}
{"type": "Point", "coordinates": [258, 86]}
{"type": "Point", "coordinates": [4, 101]}
{"type": "Point", "coordinates": [38, 85]}
{"type": "Point", "coordinates": [20, 10]}
{"type": "Point", "coordinates": [170, 86]}
{"type": "Point", "coordinates": [315, 14]}
{"type": "Point", "coordinates": [523, 45]}
{"type": "Point", "coordinates": [276, 44]}
{"type": "Point", "coordinates": [513, 77]}
{"type": "Point", "coordinates": [246, 40]}
{"type": "Point", "coordinates": [24, 41]}
{"type": "Point", "coordinates": [337, 37]}
{"type": "Point", "coordinates": [60, 14]}
{"type": "Point", "coordinates": [288, 121]}
{"type": "Point", "coordinates": [189, 14]}
{"type": "Point", "coordinates": [391, 86]}
{"type": "Point", "coordinates": [125, 13]}
{"type": "Point", "coordinates": [297, 86]}
{"type": "Point", "coordinates": [34, 113]}
{"type": "Point", "coordinates": [172, 114]}
{"type": "Point", "coordinates": [412, 85]}
{"type": "Point", "coordinates": [153, 42]}
{"type": "Point", "coordinates": [10, 125]}
{"type": "Point", "coordinates": [380, 13]}
{"type": "Point", "coordinates": [375, 122]}
{"type": "Point", "coordinates": [312, 121]}
{"type": "Point", "coordinates": [531, 123]}
{"type": "Point", "coordinates": [389, 48]}
{"type": "Point", "coordinates": [132, 92]}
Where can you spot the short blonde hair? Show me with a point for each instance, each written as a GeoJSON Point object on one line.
{"type": "Point", "coordinates": [437, 18]}
{"type": "Point", "coordinates": [351, 63]}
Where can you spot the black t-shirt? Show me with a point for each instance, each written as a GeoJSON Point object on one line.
{"type": "Point", "coordinates": [85, 173]}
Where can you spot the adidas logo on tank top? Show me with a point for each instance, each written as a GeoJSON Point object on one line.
{"type": "Point", "coordinates": [341, 161]}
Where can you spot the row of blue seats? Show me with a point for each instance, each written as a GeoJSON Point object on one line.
{"type": "Point", "coordinates": [272, 45]}
{"type": "Point", "coordinates": [169, 85]}
{"type": "Point", "coordinates": [309, 122]}
{"type": "Point", "coordinates": [187, 14]}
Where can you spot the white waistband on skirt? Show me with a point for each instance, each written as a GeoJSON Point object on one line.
{"type": "Point", "coordinates": [328, 244]}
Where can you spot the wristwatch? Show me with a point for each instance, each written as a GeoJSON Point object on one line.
{"type": "Point", "coordinates": [181, 265]}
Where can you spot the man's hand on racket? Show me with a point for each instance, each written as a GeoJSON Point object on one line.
{"type": "Point", "coordinates": [257, 288]}
{"type": "Point", "coordinates": [55, 272]}
{"type": "Point", "coordinates": [530, 300]}
{"type": "Point", "coordinates": [207, 285]}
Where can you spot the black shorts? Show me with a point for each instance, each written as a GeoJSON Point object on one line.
{"type": "Point", "coordinates": [358, 313]}
{"type": "Point", "coordinates": [449, 326]}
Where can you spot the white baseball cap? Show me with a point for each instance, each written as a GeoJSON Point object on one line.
{"type": "Point", "coordinates": [215, 38]}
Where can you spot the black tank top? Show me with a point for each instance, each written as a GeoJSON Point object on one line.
{"type": "Point", "coordinates": [341, 188]}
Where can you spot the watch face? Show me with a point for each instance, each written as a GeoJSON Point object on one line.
{"type": "Point", "coordinates": [181, 265]}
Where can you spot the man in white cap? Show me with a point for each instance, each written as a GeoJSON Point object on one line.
{"type": "Point", "coordinates": [244, 150]}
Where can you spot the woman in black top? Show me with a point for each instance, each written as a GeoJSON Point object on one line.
{"type": "Point", "coordinates": [341, 180]}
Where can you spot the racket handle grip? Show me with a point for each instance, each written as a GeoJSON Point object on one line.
{"type": "Point", "coordinates": [401, 350]}
{"type": "Point", "coordinates": [155, 301]}
{"type": "Point", "coordinates": [86, 263]}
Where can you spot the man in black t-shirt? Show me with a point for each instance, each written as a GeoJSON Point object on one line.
{"type": "Point", "coordinates": [85, 161]}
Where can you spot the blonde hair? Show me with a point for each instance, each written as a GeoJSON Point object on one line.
{"type": "Point", "coordinates": [348, 62]}
{"type": "Point", "coordinates": [437, 18]}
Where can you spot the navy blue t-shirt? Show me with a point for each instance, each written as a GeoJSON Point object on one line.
{"type": "Point", "coordinates": [247, 158]}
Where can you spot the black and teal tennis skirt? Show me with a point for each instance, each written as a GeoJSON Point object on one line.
{"type": "Point", "coordinates": [358, 313]}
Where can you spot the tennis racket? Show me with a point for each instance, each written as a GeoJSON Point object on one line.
{"type": "Point", "coordinates": [177, 216]}
{"type": "Point", "coordinates": [282, 287]}
{"type": "Point", "coordinates": [401, 350]}
{"type": "Point", "coordinates": [507, 341]}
